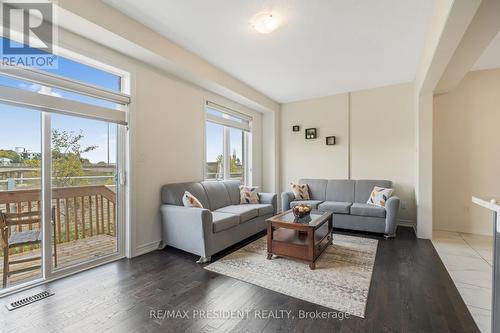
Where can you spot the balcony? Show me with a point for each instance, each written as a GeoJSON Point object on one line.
{"type": "Point", "coordinates": [214, 171]}
{"type": "Point", "coordinates": [84, 221]}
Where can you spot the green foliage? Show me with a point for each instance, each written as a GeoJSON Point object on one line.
{"type": "Point", "coordinates": [64, 167]}
{"type": "Point", "coordinates": [66, 157]}
{"type": "Point", "coordinates": [235, 163]}
{"type": "Point", "coordinates": [12, 155]}
{"type": "Point", "coordinates": [68, 143]}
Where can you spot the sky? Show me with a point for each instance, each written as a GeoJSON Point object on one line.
{"type": "Point", "coordinates": [214, 141]}
{"type": "Point", "coordinates": [22, 127]}
{"type": "Point", "coordinates": [215, 135]}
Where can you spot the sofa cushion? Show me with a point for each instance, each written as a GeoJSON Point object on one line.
{"type": "Point", "coordinates": [244, 212]}
{"type": "Point", "coordinates": [233, 189]}
{"type": "Point", "coordinates": [340, 190]}
{"type": "Point", "coordinates": [363, 188]}
{"type": "Point", "coordinates": [335, 206]}
{"type": "Point", "coordinates": [313, 203]}
{"type": "Point", "coordinates": [172, 194]}
{"type": "Point", "coordinates": [363, 209]}
{"type": "Point", "coordinates": [217, 194]}
{"type": "Point", "coordinates": [224, 221]}
{"type": "Point", "coordinates": [263, 209]}
{"type": "Point", "coordinates": [317, 188]}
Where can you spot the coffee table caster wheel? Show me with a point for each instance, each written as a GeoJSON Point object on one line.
{"type": "Point", "coordinates": [269, 256]}
{"type": "Point", "coordinates": [330, 240]}
{"type": "Point", "coordinates": [312, 266]}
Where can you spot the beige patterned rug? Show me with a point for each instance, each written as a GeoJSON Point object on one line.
{"type": "Point", "coordinates": [341, 280]}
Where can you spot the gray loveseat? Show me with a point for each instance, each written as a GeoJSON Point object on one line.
{"type": "Point", "coordinates": [347, 200]}
{"type": "Point", "coordinates": [221, 223]}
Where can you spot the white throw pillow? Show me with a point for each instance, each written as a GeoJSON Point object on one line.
{"type": "Point", "coordinates": [379, 196]}
{"type": "Point", "coordinates": [300, 191]}
{"type": "Point", "coordinates": [190, 200]}
{"type": "Point", "coordinates": [249, 195]}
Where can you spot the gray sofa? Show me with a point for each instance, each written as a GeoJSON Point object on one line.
{"type": "Point", "coordinates": [221, 223]}
{"type": "Point", "coordinates": [347, 200]}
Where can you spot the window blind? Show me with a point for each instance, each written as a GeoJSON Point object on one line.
{"type": "Point", "coordinates": [224, 116]}
{"type": "Point", "coordinates": [58, 104]}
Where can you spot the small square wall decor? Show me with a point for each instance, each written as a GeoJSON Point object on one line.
{"type": "Point", "coordinates": [296, 128]}
{"type": "Point", "coordinates": [330, 140]}
{"type": "Point", "coordinates": [311, 133]}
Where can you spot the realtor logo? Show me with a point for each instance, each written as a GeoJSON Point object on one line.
{"type": "Point", "coordinates": [28, 34]}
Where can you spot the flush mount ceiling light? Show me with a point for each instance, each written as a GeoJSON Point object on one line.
{"type": "Point", "coordinates": [265, 23]}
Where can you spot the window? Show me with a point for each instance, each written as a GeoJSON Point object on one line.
{"type": "Point", "coordinates": [236, 143]}
{"type": "Point", "coordinates": [215, 151]}
{"type": "Point", "coordinates": [227, 136]}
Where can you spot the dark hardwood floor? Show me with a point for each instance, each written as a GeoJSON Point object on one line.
{"type": "Point", "coordinates": [410, 292]}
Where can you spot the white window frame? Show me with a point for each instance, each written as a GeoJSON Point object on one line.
{"type": "Point", "coordinates": [245, 126]}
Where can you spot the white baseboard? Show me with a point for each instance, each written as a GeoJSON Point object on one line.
{"type": "Point", "coordinates": [408, 223]}
{"type": "Point", "coordinates": [145, 248]}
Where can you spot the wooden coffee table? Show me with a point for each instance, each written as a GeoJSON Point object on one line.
{"type": "Point", "coordinates": [305, 238]}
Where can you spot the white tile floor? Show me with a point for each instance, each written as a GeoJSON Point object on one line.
{"type": "Point", "coordinates": [468, 259]}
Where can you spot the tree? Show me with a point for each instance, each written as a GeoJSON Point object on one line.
{"type": "Point", "coordinates": [67, 161]}
{"type": "Point", "coordinates": [235, 166]}
{"type": "Point", "coordinates": [235, 162]}
{"type": "Point", "coordinates": [12, 155]}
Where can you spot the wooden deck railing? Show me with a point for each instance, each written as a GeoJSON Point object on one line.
{"type": "Point", "coordinates": [80, 212]}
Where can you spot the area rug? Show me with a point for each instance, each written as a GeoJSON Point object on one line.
{"type": "Point", "coordinates": [341, 280]}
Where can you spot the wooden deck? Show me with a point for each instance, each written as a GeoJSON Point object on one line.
{"type": "Point", "coordinates": [69, 253]}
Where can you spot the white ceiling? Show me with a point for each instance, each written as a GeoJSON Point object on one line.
{"type": "Point", "coordinates": [491, 57]}
{"type": "Point", "coordinates": [323, 47]}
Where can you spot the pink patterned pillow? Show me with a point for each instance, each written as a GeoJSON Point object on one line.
{"type": "Point", "coordinates": [249, 195]}
{"type": "Point", "coordinates": [190, 200]}
{"type": "Point", "coordinates": [301, 191]}
{"type": "Point", "coordinates": [379, 196]}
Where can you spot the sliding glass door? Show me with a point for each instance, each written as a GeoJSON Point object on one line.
{"type": "Point", "coordinates": [84, 222]}
{"type": "Point", "coordinates": [62, 170]}
{"type": "Point", "coordinates": [20, 193]}
{"type": "Point", "coordinates": [84, 189]}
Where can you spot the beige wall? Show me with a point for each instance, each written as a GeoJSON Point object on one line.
{"type": "Point", "coordinates": [380, 122]}
{"type": "Point", "coordinates": [466, 152]}
{"type": "Point", "coordinates": [383, 140]}
{"type": "Point", "coordinates": [270, 152]}
{"type": "Point", "coordinates": [301, 158]}
{"type": "Point", "coordinates": [447, 26]}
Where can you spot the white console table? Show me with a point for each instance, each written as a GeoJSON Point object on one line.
{"type": "Point", "coordinates": [494, 206]}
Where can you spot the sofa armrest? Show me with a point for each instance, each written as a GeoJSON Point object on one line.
{"type": "Point", "coordinates": [392, 211]}
{"type": "Point", "coordinates": [269, 198]}
{"type": "Point", "coordinates": [286, 198]}
{"type": "Point", "coordinates": [186, 228]}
